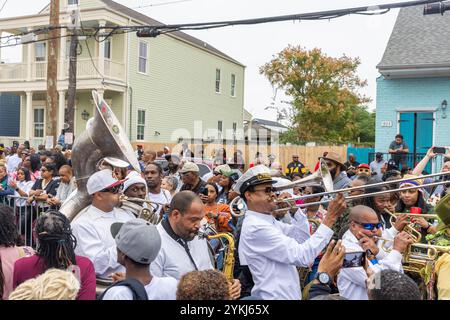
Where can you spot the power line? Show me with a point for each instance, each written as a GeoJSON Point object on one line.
{"type": "Point", "coordinates": [3, 5]}
{"type": "Point", "coordinates": [155, 30]}
{"type": "Point", "coordinates": [160, 4]}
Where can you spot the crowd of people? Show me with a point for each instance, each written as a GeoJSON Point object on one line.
{"type": "Point", "coordinates": [147, 235]}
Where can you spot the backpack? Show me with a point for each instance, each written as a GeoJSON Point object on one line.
{"type": "Point", "coordinates": [134, 285]}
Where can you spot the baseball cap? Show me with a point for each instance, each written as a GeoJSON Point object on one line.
{"type": "Point", "coordinates": [100, 180]}
{"type": "Point", "coordinates": [222, 169]}
{"type": "Point", "coordinates": [256, 175]}
{"type": "Point", "coordinates": [138, 239]}
{"type": "Point", "coordinates": [189, 167]}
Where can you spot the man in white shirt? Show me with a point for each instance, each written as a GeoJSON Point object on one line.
{"type": "Point", "coordinates": [364, 228]}
{"type": "Point", "coordinates": [138, 243]}
{"type": "Point", "coordinates": [181, 250]}
{"type": "Point", "coordinates": [92, 226]}
{"type": "Point", "coordinates": [14, 160]}
{"type": "Point", "coordinates": [272, 249]}
{"type": "Point", "coordinates": [376, 166]}
{"type": "Point", "coordinates": [66, 186]}
{"type": "Point", "coordinates": [153, 176]}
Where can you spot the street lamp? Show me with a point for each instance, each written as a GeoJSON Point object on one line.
{"type": "Point", "coordinates": [85, 115]}
{"type": "Point", "coordinates": [444, 107]}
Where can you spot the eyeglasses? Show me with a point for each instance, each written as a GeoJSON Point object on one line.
{"type": "Point", "coordinates": [364, 170]}
{"type": "Point", "coordinates": [114, 190]}
{"type": "Point", "coordinates": [267, 190]}
{"type": "Point", "coordinates": [370, 226]}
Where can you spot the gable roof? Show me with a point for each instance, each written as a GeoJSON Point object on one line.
{"type": "Point", "coordinates": [147, 20]}
{"type": "Point", "coordinates": [418, 40]}
{"type": "Point", "coordinates": [269, 123]}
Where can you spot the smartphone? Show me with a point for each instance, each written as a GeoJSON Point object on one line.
{"type": "Point", "coordinates": [204, 191]}
{"type": "Point", "coordinates": [440, 150]}
{"type": "Point", "coordinates": [354, 259]}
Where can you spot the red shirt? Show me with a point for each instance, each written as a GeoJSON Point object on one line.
{"type": "Point", "coordinates": [31, 267]}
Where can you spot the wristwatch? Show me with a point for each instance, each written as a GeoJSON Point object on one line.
{"type": "Point", "coordinates": [324, 278]}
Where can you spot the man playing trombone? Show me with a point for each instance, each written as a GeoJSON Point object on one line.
{"type": "Point", "coordinates": [271, 249]}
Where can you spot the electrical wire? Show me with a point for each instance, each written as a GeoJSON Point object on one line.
{"type": "Point", "coordinates": [153, 31]}
{"type": "Point", "coordinates": [160, 4]}
{"type": "Point", "coordinates": [4, 3]}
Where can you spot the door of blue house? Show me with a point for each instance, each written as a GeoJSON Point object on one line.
{"type": "Point", "coordinates": [417, 130]}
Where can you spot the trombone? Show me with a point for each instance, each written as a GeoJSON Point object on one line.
{"type": "Point", "coordinates": [350, 198]}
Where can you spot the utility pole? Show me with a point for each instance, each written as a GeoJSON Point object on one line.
{"type": "Point", "coordinates": [72, 90]}
{"type": "Point", "coordinates": [52, 71]}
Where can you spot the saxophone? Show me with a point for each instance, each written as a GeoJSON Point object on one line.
{"type": "Point", "coordinates": [228, 259]}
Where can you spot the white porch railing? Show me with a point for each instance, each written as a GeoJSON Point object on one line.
{"type": "Point", "coordinates": [13, 71]}
{"type": "Point", "coordinates": [86, 69]}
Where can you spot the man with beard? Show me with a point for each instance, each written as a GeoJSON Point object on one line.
{"type": "Point", "coordinates": [181, 250]}
{"type": "Point", "coordinates": [364, 229]}
{"type": "Point", "coordinates": [337, 171]}
{"type": "Point", "coordinates": [153, 176]}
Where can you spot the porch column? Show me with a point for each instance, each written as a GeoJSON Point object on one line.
{"type": "Point", "coordinates": [30, 55]}
{"type": "Point", "coordinates": [61, 110]}
{"type": "Point", "coordinates": [29, 116]}
{"type": "Point", "coordinates": [100, 93]}
{"type": "Point", "coordinates": [101, 51]}
{"type": "Point", "coordinates": [1, 33]}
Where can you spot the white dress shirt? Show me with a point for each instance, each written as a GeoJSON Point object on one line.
{"type": "Point", "coordinates": [173, 260]}
{"type": "Point", "coordinates": [351, 282]}
{"type": "Point", "coordinates": [273, 249]}
{"type": "Point", "coordinates": [92, 229]}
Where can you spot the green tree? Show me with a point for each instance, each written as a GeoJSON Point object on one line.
{"type": "Point", "coordinates": [326, 106]}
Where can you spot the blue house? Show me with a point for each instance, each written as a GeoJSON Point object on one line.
{"type": "Point", "coordinates": [413, 90]}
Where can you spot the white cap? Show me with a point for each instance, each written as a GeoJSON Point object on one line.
{"type": "Point", "coordinates": [257, 175]}
{"type": "Point", "coordinates": [100, 180]}
{"type": "Point", "coordinates": [115, 162]}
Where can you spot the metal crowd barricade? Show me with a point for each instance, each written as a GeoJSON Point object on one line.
{"type": "Point", "coordinates": [26, 215]}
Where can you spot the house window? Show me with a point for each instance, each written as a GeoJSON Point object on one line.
{"type": "Point", "coordinates": [143, 57]}
{"type": "Point", "coordinates": [141, 125]}
{"type": "Point", "coordinates": [40, 51]}
{"type": "Point", "coordinates": [72, 2]}
{"type": "Point", "coordinates": [233, 85]}
{"type": "Point", "coordinates": [219, 129]}
{"type": "Point", "coordinates": [107, 52]}
{"type": "Point", "coordinates": [39, 123]}
{"type": "Point", "coordinates": [217, 80]}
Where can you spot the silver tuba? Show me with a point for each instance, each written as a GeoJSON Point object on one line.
{"type": "Point", "coordinates": [103, 137]}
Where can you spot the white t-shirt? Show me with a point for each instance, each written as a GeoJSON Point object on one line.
{"type": "Point", "coordinates": [163, 196]}
{"type": "Point", "coordinates": [157, 289]}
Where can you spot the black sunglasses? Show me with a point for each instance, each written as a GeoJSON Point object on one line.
{"type": "Point", "coordinates": [267, 190]}
{"type": "Point", "coordinates": [114, 190]}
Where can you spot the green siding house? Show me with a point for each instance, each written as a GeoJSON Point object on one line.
{"type": "Point", "coordinates": [162, 89]}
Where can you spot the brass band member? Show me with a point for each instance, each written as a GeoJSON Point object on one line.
{"type": "Point", "coordinates": [272, 249]}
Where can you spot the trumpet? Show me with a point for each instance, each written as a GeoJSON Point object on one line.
{"type": "Point", "coordinates": [416, 235]}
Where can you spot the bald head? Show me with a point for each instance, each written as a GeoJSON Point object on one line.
{"type": "Point", "coordinates": [362, 213]}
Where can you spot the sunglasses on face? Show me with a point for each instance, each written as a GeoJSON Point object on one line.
{"type": "Point", "coordinates": [364, 170]}
{"type": "Point", "coordinates": [114, 190]}
{"type": "Point", "coordinates": [370, 226]}
{"type": "Point", "coordinates": [267, 190]}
